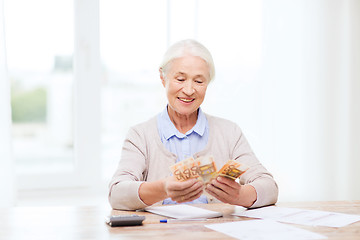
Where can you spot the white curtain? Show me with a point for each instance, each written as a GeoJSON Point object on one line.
{"type": "Point", "coordinates": [7, 189]}
{"type": "Point", "coordinates": [311, 97]}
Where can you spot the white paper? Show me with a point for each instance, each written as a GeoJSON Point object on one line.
{"type": "Point", "coordinates": [182, 211]}
{"type": "Point", "coordinates": [301, 216]}
{"type": "Point", "coordinates": [262, 230]}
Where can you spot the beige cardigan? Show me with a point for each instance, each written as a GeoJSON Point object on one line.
{"type": "Point", "coordinates": [145, 158]}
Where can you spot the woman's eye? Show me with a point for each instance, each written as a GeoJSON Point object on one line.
{"type": "Point", "coordinates": [180, 79]}
{"type": "Point", "coordinates": [198, 81]}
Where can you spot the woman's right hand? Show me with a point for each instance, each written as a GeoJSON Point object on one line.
{"type": "Point", "coordinates": [186, 191]}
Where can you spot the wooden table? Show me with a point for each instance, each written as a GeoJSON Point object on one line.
{"type": "Point", "coordinates": [88, 223]}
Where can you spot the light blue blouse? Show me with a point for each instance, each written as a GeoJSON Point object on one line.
{"type": "Point", "coordinates": [183, 145]}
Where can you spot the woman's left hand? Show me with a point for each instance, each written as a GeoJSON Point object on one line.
{"type": "Point", "coordinates": [229, 191]}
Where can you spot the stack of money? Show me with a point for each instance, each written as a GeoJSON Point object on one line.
{"type": "Point", "coordinates": [207, 168]}
{"type": "Point", "coordinates": [186, 169]}
{"type": "Point", "coordinates": [204, 169]}
{"type": "Point", "coordinates": [232, 169]}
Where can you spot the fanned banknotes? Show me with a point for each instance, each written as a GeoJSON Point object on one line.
{"type": "Point", "coordinates": [207, 168]}
{"type": "Point", "coordinates": [204, 169]}
{"type": "Point", "coordinates": [186, 169]}
{"type": "Point", "coordinates": [232, 169]}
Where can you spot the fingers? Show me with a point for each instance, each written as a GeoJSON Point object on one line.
{"type": "Point", "coordinates": [222, 184]}
{"type": "Point", "coordinates": [189, 197]}
{"type": "Point", "coordinates": [226, 184]}
{"type": "Point", "coordinates": [182, 186]}
{"type": "Point", "coordinates": [184, 191]}
{"type": "Point", "coordinates": [224, 189]}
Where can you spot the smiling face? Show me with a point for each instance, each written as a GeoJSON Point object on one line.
{"type": "Point", "coordinates": [186, 80]}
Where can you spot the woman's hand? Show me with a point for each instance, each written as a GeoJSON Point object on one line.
{"type": "Point", "coordinates": [186, 191]}
{"type": "Point", "coordinates": [229, 191]}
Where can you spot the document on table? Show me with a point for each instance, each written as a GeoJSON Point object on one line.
{"type": "Point", "coordinates": [263, 229]}
{"type": "Point", "coordinates": [183, 211]}
{"type": "Point", "coordinates": [301, 216]}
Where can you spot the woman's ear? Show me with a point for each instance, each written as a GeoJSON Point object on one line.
{"type": "Point", "coordinates": [162, 77]}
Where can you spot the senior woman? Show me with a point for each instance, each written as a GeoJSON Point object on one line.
{"type": "Point", "coordinates": [143, 176]}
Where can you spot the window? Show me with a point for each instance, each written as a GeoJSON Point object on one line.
{"type": "Point", "coordinates": [51, 56]}
{"type": "Point", "coordinates": [40, 63]}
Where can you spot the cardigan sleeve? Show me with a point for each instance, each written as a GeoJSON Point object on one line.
{"type": "Point", "coordinates": [125, 183]}
{"type": "Point", "coordinates": [257, 175]}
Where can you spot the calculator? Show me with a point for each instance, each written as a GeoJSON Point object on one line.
{"type": "Point", "coordinates": [124, 220]}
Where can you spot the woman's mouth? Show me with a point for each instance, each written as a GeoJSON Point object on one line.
{"type": "Point", "coordinates": [186, 100]}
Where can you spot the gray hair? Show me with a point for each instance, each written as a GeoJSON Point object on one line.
{"type": "Point", "coordinates": [188, 47]}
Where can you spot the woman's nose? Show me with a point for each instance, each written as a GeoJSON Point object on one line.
{"type": "Point", "coordinates": [188, 88]}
